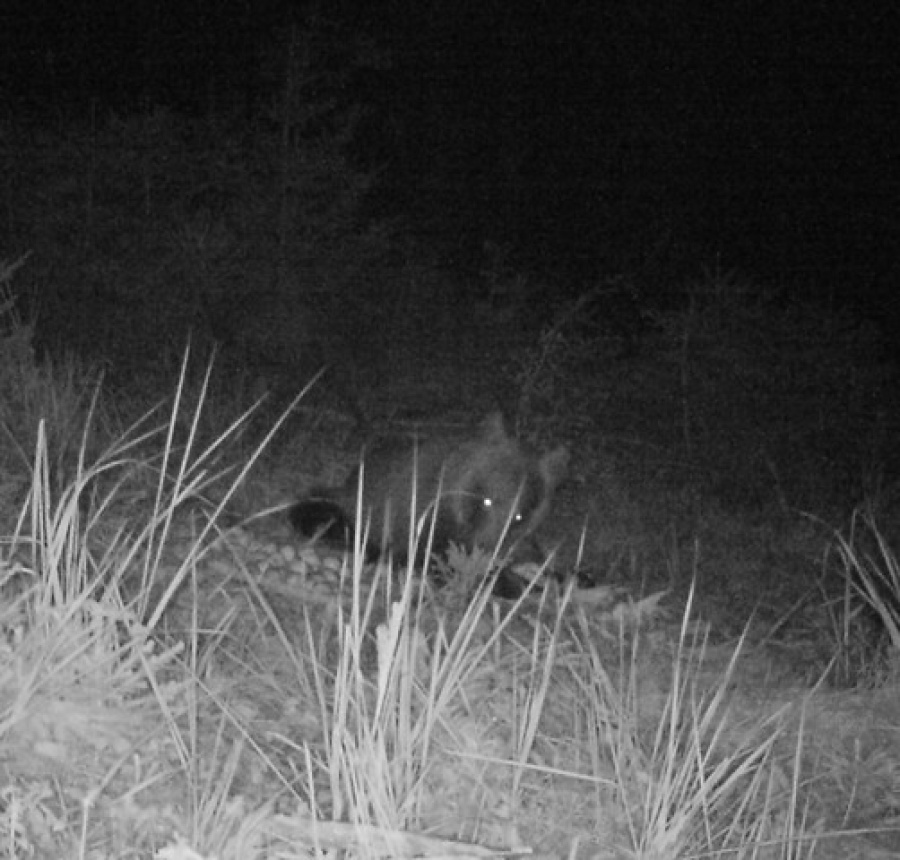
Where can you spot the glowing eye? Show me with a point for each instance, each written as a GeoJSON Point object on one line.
{"type": "Point", "coordinates": [487, 503]}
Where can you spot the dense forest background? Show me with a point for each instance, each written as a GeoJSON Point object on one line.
{"type": "Point", "coordinates": [660, 218]}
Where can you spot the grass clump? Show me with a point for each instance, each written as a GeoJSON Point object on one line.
{"type": "Point", "coordinates": [864, 615]}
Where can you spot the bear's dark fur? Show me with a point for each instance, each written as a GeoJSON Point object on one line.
{"type": "Point", "coordinates": [487, 487]}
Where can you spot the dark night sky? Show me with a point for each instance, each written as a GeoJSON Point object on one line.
{"type": "Point", "coordinates": [764, 134]}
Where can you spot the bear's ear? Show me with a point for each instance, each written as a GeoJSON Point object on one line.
{"type": "Point", "coordinates": [553, 466]}
{"type": "Point", "coordinates": [493, 428]}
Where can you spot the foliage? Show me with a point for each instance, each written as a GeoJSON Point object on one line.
{"type": "Point", "coordinates": [163, 223]}
{"type": "Point", "coordinates": [755, 397]}
{"type": "Point", "coordinates": [58, 396]}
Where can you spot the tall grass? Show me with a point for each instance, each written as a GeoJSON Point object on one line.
{"type": "Point", "coordinates": [866, 623]}
{"type": "Point", "coordinates": [85, 586]}
{"type": "Point", "coordinates": [192, 708]}
{"type": "Point", "coordinates": [690, 778]}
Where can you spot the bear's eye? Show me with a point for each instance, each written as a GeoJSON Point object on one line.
{"type": "Point", "coordinates": [487, 503]}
